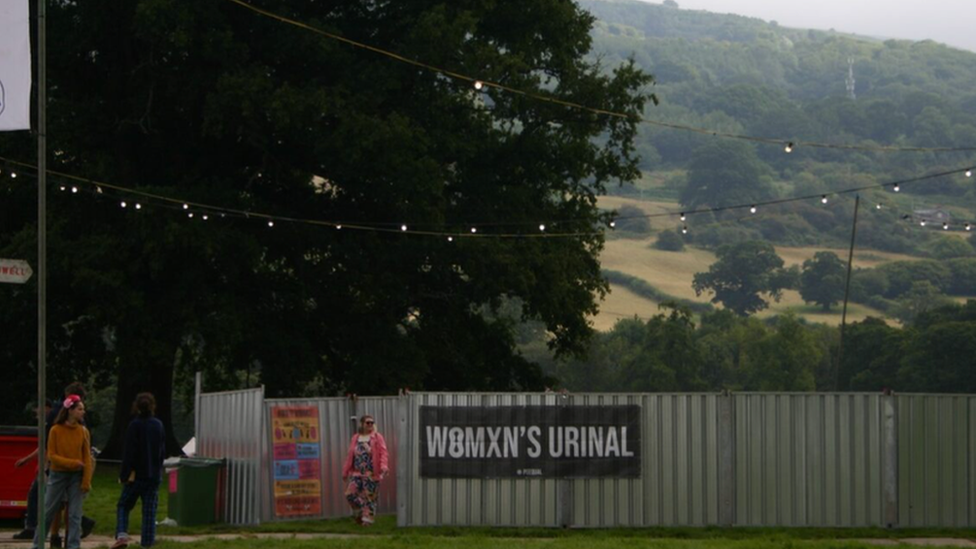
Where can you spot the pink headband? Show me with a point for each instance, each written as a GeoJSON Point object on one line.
{"type": "Point", "coordinates": [71, 400]}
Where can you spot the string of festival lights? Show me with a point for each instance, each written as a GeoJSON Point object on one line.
{"type": "Point", "coordinates": [136, 200]}
{"type": "Point", "coordinates": [482, 85]}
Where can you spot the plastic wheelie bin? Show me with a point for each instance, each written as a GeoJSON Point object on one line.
{"type": "Point", "coordinates": [195, 490]}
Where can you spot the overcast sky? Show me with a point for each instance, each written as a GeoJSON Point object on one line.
{"type": "Point", "coordinates": [951, 22]}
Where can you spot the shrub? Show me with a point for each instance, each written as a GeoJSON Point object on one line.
{"type": "Point", "coordinates": [951, 247]}
{"type": "Point", "coordinates": [669, 241]}
{"type": "Point", "coordinates": [632, 219]}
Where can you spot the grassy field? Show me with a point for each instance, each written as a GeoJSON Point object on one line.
{"type": "Point", "coordinates": [100, 505]}
{"type": "Point", "coordinates": [672, 273]}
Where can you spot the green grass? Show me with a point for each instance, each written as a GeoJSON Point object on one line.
{"type": "Point", "coordinates": [100, 505]}
{"type": "Point", "coordinates": [474, 542]}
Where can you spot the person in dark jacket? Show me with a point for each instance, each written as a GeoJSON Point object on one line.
{"type": "Point", "coordinates": [141, 472]}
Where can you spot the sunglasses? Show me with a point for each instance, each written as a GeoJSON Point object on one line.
{"type": "Point", "coordinates": [369, 422]}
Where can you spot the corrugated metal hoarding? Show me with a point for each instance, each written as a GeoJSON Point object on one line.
{"type": "Point", "coordinates": [746, 459]}
{"type": "Point", "coordinates": [467, 501]}
{"type": "Point", "coordinates": [937, 460]}
{"type": "Point", "coordinates": [338, 420]}
{"type": "Point", "coordinates": [808, 460]}
{"type": "Point", "coordinates": [678, 484]}
{"type": "Point", "coordinates": [230, 426]}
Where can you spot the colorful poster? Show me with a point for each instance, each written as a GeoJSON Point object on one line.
{"type": "Point", "coordinates": [297, 464]}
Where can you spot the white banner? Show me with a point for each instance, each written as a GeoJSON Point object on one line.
{"type": "Point", "coordinates": [15, 65]}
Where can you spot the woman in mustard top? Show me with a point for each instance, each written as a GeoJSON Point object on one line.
{"type": "Point", "coordinates": [69, 452]}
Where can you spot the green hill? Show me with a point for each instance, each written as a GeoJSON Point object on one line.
{"type": "Point", "coordinates": [743, 75]}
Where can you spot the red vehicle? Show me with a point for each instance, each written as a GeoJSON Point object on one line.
{"type": "Point", "coordinates": [15, 443]}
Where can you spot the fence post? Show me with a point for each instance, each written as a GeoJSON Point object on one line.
{"type": "Point", "coordinates": [564, 487]}
{"type": "Point", "coordinates": [403, 434]}
{"type": "Point", "coordinates": [889, 457]}
{"type": "Point", "coordinates": [726, 460]}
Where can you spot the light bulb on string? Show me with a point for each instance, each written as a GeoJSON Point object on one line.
{"type": "Point", "coordinates": [190, 215]}
{"type": "Point", "coordinates": [270, 223]}
{"type": "Point", "coordinates": [789, 147]}
{"type": "Point", "coordinates": [403, 228]}
{"type": "Point", "coordinates": [474, 230]}
{"type": "Point", "coordinates": [878, 206]}
{"type": "Point", "coordinates": [542, 228]}
{"type": "Point", "coordinates": [478, 85]}
{"type": "Point", "coordinates": [613, 224]}
{"type": "Point", "coordinates": [205, 217]}
{"type": "Point", "coordinates": [339, 227]}
{"type": "Point", "coordinates": [945, 226]}
{"type": "Point", "coordinates": [683, 216]}
{"type": "Point", "coordinates": [752, 209]}
{"type": "Point", "coordinates": [186, 206]}
{"type": "Point", "coordinates": [123, 204]}
{"type": "Point", "coordinates": [13, 175]}
{"type": "Point", "coordinates": [63, 188]}
{"type": "Point", "coordinates": [138, 206]}
{"type": "Point", "coordinates": [896, 188]}
{"type": "Point", "coordinates": [969, 227]}
{"type": "Point", "coordinates": [969, 173]}
{"type": "Point", "coordinates": [684, 230]}
{"type": "Point", "coordinates": [823, 199]}
{"type": "Point", "coordinates": [74, 190]}
{"type": "Point", "coordinates": [922, 223]}
{"type": "Point", "coordinates": [98, 190]}
{"type": "Point", "coordinates": [450, 239]}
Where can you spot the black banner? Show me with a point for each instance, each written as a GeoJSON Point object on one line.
{"type": "Point", "coordinates": [530, 441]}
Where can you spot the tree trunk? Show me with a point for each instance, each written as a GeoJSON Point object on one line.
{"type": "Point", "coordinates": [150, 371]}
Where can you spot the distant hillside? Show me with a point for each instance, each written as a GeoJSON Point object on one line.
{"type": "Point", "coordinates": [743, 75]}
{"type": "Point", "coordinates": [681, 45]}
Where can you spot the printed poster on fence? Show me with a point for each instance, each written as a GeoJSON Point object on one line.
{"type": "Point", "coordinates": [297, 461]}
{"type": "Point", "coordinates": [530, 441]}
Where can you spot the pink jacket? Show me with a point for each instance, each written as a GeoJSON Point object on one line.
{"type": "Point", "coordinates": [380, 457]}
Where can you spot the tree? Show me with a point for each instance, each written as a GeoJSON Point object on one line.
{"type": "Point", "coordinates": [214, 104]}
{"type": "Point", "coordinates": [743, 272]}
{"type": "Point", "coordinates": [723, 173]}
{"type": "Point", "coordinates": [950, 247]}
{"type": "Point", "coordinates": [921, 298]}
{"type": "Point", "coordinates": [669, 241]}
{"type": "Point", "coordinates": [822, 281]}
{"type": "Point", "coordinates": [784, 359]}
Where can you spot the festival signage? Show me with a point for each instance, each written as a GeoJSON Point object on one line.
{"type": "Point", "coordinates": [530, 441]}
{"type": "Point", "coordinates": [15, 65]}
{"type": "Point", "coordinates": [297, 461]}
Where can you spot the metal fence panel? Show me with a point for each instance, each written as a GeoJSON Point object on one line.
{"type": "Point", "coordinates": [936, 459]}
{"type": "Point", "coordinates": [468, 502]}
{"type": "Point", "coordinates": [230, 426]}
{"type": "Point", "coordinates": [808, 460]}
{"type": "Point", "coordinates": [743, 459]}
{"type": "Point", "coordinates": [338, 421]}
{"type": "Point", "coordinates": [679, 477]}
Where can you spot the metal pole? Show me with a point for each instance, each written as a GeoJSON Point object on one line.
{"type": "Point", "coordinates": [41, 533]}
{"type": "Point", "coordinates": [847, 292]}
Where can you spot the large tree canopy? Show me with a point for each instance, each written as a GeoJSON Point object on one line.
{"type": "Point", "coordinates": [743, 272]}
{"type": "Point", "coordinates": [214, 104]}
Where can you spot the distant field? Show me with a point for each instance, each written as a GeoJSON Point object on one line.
{"type": "Point", "coordinates": [672, 273]}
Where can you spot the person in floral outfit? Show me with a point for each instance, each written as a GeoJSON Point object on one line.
{"type": "Point", "coordinates": [366, 465]}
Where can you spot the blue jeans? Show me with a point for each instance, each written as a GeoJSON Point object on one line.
{"type": "Point", "coordinates": [30, 521]}
{"type": "Point", "coordinates": [148, 491]}
{"type": "Point", "coordinates": [62, 486]}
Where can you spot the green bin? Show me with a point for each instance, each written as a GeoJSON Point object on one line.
{"type": "Point", "coordinates": [195, 486]}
